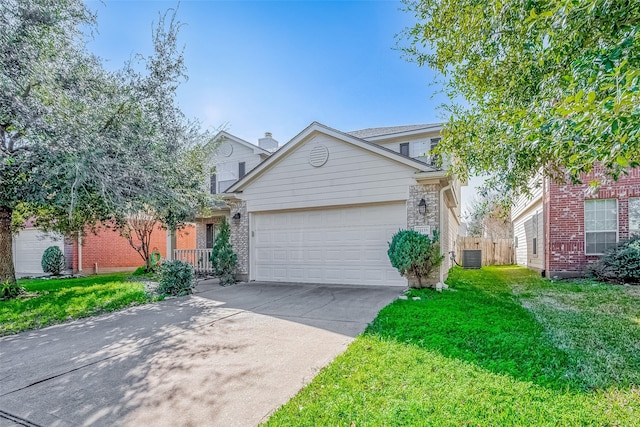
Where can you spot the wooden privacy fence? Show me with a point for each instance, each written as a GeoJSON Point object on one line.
{"type": "Point", "coordinates": [494, 251]}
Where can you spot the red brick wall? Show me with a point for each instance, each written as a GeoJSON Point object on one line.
{"type": "Point", "coordinates": [186, 237]}
{"type": "Point", "coordinates": [564, 206]}
{"type": "Point", "coordinates": [112, 252]}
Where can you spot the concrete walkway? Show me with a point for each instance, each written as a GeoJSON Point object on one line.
{"type": "Point", "coordinates": [223, 357]}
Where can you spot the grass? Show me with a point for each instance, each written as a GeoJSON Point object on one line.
{"type": "Point", "coordinates": [58, 300]}
{"type": "Point", "coordinates": [504, 348]}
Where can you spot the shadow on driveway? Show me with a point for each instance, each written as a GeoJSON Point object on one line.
{"type": "Point", "coordinates": [338, 308]}
{"type": "Point", "coordinates": [225, 356]}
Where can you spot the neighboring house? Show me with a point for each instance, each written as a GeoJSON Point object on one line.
{"type": "Point", "coordinates": [323, 207]}
{"type": "Point", "coordinates": [107, 251]}
{"type": "Point", "coordinates": [232, 160]}
{"type": "Point", "coordinates": [104, 251]}
{"type": "Point", "coordinates": [28, 246]}
{"type": "Point", "coordinates": [563, 228]}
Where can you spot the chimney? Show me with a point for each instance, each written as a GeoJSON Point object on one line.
{"type": "Point", "coordinates": [268, 143]}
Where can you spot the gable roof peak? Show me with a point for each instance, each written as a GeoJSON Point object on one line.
{"type": "Point", "coordinates": [256, 149]}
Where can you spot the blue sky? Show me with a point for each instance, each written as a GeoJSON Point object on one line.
{"type": "Point", "coordinates": [257, 66]}
{"type": "Point", "coordinates": [278, 66]}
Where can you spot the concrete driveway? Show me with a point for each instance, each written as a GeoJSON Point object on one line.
{"type": "Point", "coordinates": [222, 357]}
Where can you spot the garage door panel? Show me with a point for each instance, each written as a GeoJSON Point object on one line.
{"type": "Point", "coordinates": [314, 275]}
{"type": "Point", "coordinates": [372, 254]}
{"type": "Point", "coordinates": [341, 245]}
{"type": "Point", "coordinates": [280, 255]}
{"type": "Point", "coordinates": [263, 255]}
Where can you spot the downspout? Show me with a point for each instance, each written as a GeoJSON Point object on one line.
{"type": "Point", "coordinates": [441, 284]}
{"type": "Point", "coordinates": [79, 251]}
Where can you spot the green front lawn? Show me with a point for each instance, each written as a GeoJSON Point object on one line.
{"type": "Point", "coordinates": [57, 300]}
{"type": "Point", "coordinates": [503, 348]}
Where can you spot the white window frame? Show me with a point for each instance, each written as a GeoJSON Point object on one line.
{"type": "Point", "coordinates": [617, 229]}
{"type": "Point", "coordinates": [637, 220]}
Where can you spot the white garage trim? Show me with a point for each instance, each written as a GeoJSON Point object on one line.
{"type": "Point", "coordinates": [340, 245]}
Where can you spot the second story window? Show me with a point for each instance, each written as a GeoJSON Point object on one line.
{"type": "Point", "coordinates": [213, 184]}
{"type": "Point", "coordinates": [435, 159]}
{"type": "Point", "coordinates": [404, 149]}
{"type": "Point", "coordinates": [241, 169]}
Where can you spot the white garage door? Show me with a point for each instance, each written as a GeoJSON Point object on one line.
{"type": "Point", "coordinates": [342, 245]}
{"type": "Point", "coordinates": [28, 247]}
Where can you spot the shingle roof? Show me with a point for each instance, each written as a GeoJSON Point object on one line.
{"type": "Point", "coordinates": [389, 130]}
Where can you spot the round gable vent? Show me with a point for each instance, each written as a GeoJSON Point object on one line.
{"type": "Point", "coordinates": [227, 149]}
{"type": "Point", "coordinates": [318, 156]}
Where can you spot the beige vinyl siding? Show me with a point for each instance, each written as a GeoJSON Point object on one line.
{"type": "Point", "coordinates": [524, 203]}
{"type": "Point", "coordinates": [524, 230]}
{"type": "Point", "coordinates": [227, 167]}
{"type": "Point", "coordinates": [351, 175]}
{"type": "Point", "coordinates": [449, 241]}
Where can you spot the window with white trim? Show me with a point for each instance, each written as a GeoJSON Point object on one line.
{"type": "Point", "coordinates": [404, 149]}
{"type": "Point", "coordinates": [435, 158]}
{"type": "Point", "coordinates": [600, 225]}
{"type": "Point", "coordinates": [634, 216]}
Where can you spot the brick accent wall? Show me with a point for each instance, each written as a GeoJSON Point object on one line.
{"type": "Point", "coordinates": [112, 252]}
{"type": "Point", "coordinates": [240, 238]}
{"type": "Point", "coordinates": [565, 235]}
{"type": "Point", "coordinates": [431, 218]}
{"type": "Point", "coordinates": [430, 194]}
{"type": "Point", "coordinates": [201, 230]}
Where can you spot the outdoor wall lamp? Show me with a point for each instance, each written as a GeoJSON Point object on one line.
{"type": "Point", "coordinates": [422, 207]}
{"type": "Point", "coordinates": [236, 218]}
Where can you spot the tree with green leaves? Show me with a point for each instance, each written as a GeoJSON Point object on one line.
{"type": "Point", "coordinates": [80, 145]}
{"type": "Point", "coordinates": [487, 218]}
{"type": "Point", "coordinates": [536, 85]}
{"type": "Point", "coordinates": [223, 259]}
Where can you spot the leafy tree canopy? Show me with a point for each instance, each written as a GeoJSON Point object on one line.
{"type": "Point", "coordinates": [550, 85]}
{"type": "Point", "coordinates": [79, 144]}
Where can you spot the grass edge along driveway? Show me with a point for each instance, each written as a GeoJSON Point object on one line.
{"type": "Point", "coordinates": [52, 301]}
{"type": "Point", "coordinates": [505, 347]}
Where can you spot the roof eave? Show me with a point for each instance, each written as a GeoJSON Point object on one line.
{"type": "Point", "coordinates": [319, 127]}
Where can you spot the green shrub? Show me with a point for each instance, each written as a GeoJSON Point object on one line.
{"type": "Point", "coordinates": [176, 278]}
{"type": "Point", "coordinates": [223, 259]}
{"type": "Point", "coordinates": [415, 255]}
{"type": "Point", "coordinates": [620, 264]}
{"type": "Point", "coordinates": [9, 290]}
{"type": "Point", "coordinates": [52, 260]}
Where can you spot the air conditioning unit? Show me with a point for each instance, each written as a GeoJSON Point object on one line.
{"type": "Point", "coordinates": [471, 259]}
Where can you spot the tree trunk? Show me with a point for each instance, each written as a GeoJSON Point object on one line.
{"type": "Point", "coordinates": [7, 271]}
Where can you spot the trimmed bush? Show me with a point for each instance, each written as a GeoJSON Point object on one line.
{"type": "Point", "coordinates": [415, 255]}
{"type": "Point", "coordinates": [223, 259]}
{"type": "Point", "coordinates": [53, 260]}
{"type": "Point", "coordinates": [176, 278]}
{"type": "Point", "coordinates": [620, 264]}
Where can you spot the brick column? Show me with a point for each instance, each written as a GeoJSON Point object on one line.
{"type": "Point", "coordinates": [429, 193]}
{"type": "Point", "coordinates": [240, 237]}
